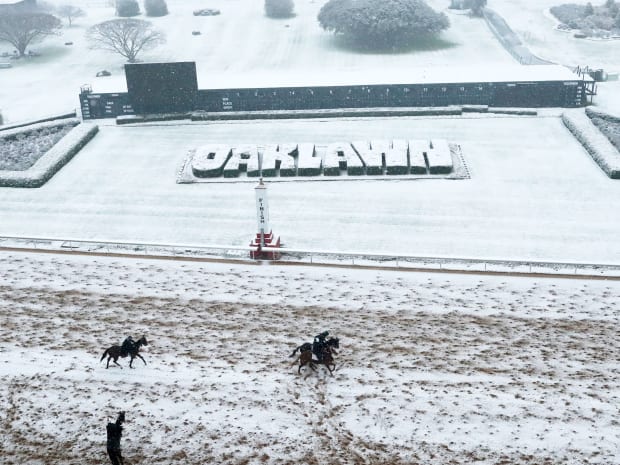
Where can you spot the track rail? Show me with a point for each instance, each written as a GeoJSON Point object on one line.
{"type": "Point", "coordinates": [299, 257]}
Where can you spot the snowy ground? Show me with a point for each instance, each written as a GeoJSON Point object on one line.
{"type": "Point", "coordinates": [533, 194]}
{"type": "Point", "coordinates": [433, 368]}
{"type": "Point", "coordinates": [535, 26]}
{"type": "Point", "coordinates": [240, 41]}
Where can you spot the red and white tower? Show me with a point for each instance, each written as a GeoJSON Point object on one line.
{"type": "Point", "coordinates": [264, 236]}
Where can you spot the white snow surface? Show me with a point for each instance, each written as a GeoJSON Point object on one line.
{"type": "Point", "coordinates": [539, 197]}
{"type": "Point", "coordinates": [432, 368]}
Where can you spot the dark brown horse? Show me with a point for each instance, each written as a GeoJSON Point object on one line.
{"type": "Point", "coordinates": [332, 343]}
{"type": "Point", "coordinates": [115, 352]}
{"type": "Point", "coordinates": [305, 358]}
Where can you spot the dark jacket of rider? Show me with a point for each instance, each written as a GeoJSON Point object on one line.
{"type": "Point", "coordinates": [127, 346]}
{"type": "Point", "coordinates": [319, 344]}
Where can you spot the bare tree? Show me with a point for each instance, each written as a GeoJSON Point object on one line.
{"type": "Point", "coordinates": [70, 12]}
{"type": "Point", "coordinates": [21, 29]}
{"type": "Point", "coordinates": [127, 37]}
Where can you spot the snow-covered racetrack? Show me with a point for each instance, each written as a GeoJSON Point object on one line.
{"type": "Point", "coordinates": [433, 369]}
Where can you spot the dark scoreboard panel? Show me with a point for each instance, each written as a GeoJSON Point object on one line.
{"type": "Point", "coordinates": [162, 87]}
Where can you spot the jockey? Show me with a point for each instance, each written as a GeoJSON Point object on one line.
{"type": "Point", "coordinates": [319, 344]}
{"type": "Point", "coordinates": [128, 345]}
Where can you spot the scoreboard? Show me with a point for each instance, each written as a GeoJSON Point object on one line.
{"type": "Point", "coordinates": [162, 87]}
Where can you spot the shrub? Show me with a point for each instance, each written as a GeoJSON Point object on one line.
{"type": "Point", "coordinates": [588, 18]}
{"type": "Point", "coordinates": [127, 8]}
{"type": "Point", "coordinates": [279, 8]}
{"type": "Point", "coordinates": [595, 142]}
{"type": "Point", "coordinates": [568, 13]}
{"type": "Point", "coordinates": [609, 125]}
{"type": "Point", "coordinates": [155, 7]}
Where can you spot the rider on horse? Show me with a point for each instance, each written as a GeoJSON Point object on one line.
{"type": "Point", "coordinates": [319, 345]}
{"type": "Point", "coordinates": [127, 346]}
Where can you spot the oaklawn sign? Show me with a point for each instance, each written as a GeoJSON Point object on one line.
{"type": "Point", "coordinates": [382, 158]}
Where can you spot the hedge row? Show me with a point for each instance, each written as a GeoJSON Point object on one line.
{"type": "Point", "coordinates": [592, 113]}
{"type": "Point", "coordinates": [130, 119]}
{"type": "Point", "coordinates": [37, 126]}
{"type": "Point", "coordinates": [609, 125]}
{"type": "Point", "coordinates": [52, 161]}
{"type": "Point", "coordinates": [325, 113]}
{"type": "Point", "coordinates": [56, 118]}
{"type": "Point", "coordinates": [597, 145]}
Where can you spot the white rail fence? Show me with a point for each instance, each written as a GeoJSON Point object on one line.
{"type": "Point", "coordinates": [337, 258]}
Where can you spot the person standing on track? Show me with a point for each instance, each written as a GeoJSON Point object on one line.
{"type": "Point", "coordinates": [114, 432]}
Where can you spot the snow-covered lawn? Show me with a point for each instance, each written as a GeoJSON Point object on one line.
{"type": "Point", "coordinates": [534, 193]}
{"type": "Point", "coordinates": [535, 26]}
{"type": "Point", "coordinates": [433, 368]}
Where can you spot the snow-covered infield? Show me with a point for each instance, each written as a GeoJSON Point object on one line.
{"type": "Point", "coordinates": [54, 159]}
{"type": "Point", "coordinates": [594, 141]}
{"type": "Point", "coordinates": [375, 158]}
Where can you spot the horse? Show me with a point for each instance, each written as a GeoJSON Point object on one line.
{"type": "Point", "coordinates": [331, 343]}
{"type": "Point", "coordinates": [305, 358]}
{"type": "Point", "coordinates": [115, 352]}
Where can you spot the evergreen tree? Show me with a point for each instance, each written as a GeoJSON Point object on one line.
{"type": "Point", "coordinates": [477, 6]}
{"type": "Point", "coordinates": [127, 8]}
{"type": "Point", "coordinates": [279, 8]}
{"type": "Point", "coordinates": [588, 11]}
{"type": "Point", "coordinates": [385, 22]}
{"type": "Point", "coordinates": [155, 7]}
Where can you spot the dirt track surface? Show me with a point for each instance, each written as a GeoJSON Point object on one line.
{"type": "Point", "coordinates": [433, 369]}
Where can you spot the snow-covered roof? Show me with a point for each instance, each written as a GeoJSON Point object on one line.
{"type": "Point", "coordinates": [512, 73]}
{"type": "Point", "coordinates": [266, 79]}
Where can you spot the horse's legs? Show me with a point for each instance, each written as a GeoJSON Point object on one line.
{"type": "Point", "coordinates": [115, 362]}
{"type": "Point", "coordinates": [140, 356]}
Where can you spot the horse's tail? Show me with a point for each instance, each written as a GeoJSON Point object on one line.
{"type": "Point", "coordinates": [296, 360]}
{"type": "Point", "coordinates": [295, 351]}
{"type": "Point", "coordinates": [104, 354]}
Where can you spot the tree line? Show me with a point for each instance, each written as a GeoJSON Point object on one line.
{"type": "Point", "coordinates": [371, 22]}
